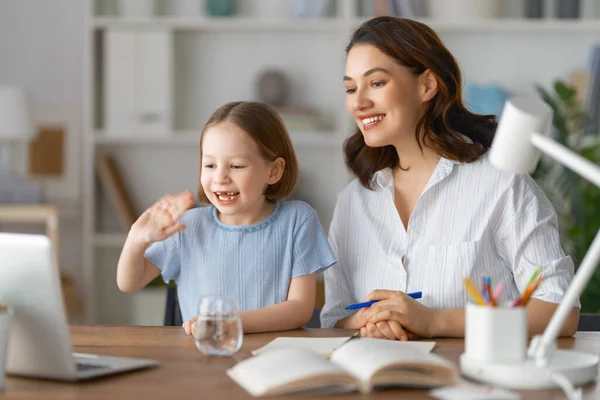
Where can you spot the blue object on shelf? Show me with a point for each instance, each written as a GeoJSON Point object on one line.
{"type": "Point", "coordinates": [220, 8]}
{"type": "Point", "coordinates": [485, 99]}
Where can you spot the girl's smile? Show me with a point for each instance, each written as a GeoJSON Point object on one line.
{"type": "Point", "coordinates": [227, 198]}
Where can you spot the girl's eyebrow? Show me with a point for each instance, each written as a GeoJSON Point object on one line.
{"type": "Point", "coordinates": [369, 72]}
{"type": "Point", "coordinates": [237, 155]}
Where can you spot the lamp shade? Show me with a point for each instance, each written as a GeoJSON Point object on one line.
{"type": "Point", "coordinates": [512, 149]}
{"type": "Point", "coordinates": [15, 115]}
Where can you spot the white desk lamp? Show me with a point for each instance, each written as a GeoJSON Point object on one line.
{"type": "Point", "coordinates": [516, 147]}
{"type": "Point", "coordinates": [15, 122]}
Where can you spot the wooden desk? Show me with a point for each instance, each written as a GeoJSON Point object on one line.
{"type": "Point", "coordinates": [185, 373]}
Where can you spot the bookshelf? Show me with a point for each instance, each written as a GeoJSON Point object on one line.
{"type": "Point", "coordinates": [216, 60]}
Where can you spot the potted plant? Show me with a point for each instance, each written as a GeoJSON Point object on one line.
{"type": "Point", "coordinates": [6, 314]}
{"type": "Point", "coordinates": [574, 198]}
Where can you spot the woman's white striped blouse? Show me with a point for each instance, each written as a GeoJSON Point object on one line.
{"type": "Point", "coordinates": [471, 220]}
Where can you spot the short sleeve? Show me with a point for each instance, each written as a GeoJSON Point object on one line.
{"type": "Point", "coordinates": [166, 255]}
{"type": "Point", "coordinates": [311, 249]}
{"type": "Point", "coordinates": [530, 239]}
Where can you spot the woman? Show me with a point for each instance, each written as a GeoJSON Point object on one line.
{"type": "Point", "coordinates": [426, 208]}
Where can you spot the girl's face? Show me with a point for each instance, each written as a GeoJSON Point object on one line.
{"type": "Point", "coordinates": [235, 174]}
{"type": "Point", "coordinates": [384, 98]}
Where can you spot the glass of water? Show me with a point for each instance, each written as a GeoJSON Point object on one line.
{"type": "Point", "coordinates": [219, 326]}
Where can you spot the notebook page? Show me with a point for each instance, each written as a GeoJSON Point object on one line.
{"type": "Point", "coordinates": [277, 367]}
{"type": "Point", "coordinates": [363, 357]}
{"type": "Point", "coordinates": [322, 346]}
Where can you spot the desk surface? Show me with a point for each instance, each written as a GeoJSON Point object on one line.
{"type": "Point", "coordinates": [184, 372]}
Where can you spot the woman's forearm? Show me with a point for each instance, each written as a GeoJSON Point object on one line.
{"type": "Point", "coordinates": [451, 322]}
{"type": "Point", "coordinates": [290, 314]}
{"type": "Point", "coordinates": [539, 314]}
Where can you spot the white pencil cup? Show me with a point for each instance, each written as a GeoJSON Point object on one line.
{"type": "Point", "coordinates": [496, 334]}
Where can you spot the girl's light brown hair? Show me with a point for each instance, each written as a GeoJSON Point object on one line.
{"type": "Point", "coordinates": [417, 47]}
{"type": "Point", "coordinates": [268, 131]}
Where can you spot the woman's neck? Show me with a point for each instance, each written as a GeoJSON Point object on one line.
{"type": "Point", "coordinates": [413, 158]}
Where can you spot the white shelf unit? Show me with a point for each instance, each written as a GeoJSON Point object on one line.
{"type": "Point", "coordinates": [217, 60]}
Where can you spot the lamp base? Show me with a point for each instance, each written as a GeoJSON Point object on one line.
{"type": "Point", "coordinates": [578, 368]}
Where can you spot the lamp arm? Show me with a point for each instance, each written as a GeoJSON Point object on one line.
{"type": "Point", "coordinates": [541, 347]}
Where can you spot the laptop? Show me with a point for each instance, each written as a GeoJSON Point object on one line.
{"type": "Point", "coordinates": [39, 344]}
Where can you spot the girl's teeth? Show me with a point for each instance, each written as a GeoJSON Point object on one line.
{"type": "Point", "coordinates": [229, 196]}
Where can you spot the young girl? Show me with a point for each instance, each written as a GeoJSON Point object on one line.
{"type": "Point", "coordinates": [249, 243]}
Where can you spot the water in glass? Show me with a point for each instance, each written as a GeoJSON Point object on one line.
{"type": "Point", "coordinates": [219, 327]}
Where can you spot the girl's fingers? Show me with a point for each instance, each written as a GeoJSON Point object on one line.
{"type": "Point", "coordinates": [188, 326]}
{"type": "Point", "coordinates": [172, 229]}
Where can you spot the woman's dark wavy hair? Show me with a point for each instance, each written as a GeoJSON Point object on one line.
{"type": "Point", "coordinates": [417, 47]}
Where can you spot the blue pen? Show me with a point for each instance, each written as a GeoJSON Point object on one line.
{"type": "Point", "coordinates": [414, 295]}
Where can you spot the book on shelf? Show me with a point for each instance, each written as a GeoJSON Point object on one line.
{"type": "Point", "coordinates": [363, 364]}
{"type": "Point", "coordinates": [116, 190]}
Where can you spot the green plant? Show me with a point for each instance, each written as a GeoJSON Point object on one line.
{"type": "Point", "coordinates": [574, 198]}
{"type": "Point", "coordinates": [159, 282]}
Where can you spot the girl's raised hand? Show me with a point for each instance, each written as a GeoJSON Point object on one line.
{"type": "Point", "coordinates": [161, 220]}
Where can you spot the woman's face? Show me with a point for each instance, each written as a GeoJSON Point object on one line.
{"type": "Point", "coordinates": [384, 98]}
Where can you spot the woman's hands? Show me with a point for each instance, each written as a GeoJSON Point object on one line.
{"type": "Point", "coordinates": [396, 316]}
{"type": "Point", "coordinates": [161, 220]}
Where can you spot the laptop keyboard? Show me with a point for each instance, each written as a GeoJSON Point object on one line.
{"type": "Point", "coordinates": [90, 367]}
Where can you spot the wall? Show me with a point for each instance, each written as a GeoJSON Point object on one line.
{"type": "Point", "coordinates": [41, 46]}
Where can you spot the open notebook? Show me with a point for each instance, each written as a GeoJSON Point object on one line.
{"type": "Point", "coordinates": [327, 345]}
{"type": "Point", "coordinates": [363, 364]}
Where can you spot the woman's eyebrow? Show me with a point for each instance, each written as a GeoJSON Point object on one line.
{"type": "Point", "coordinates": [369, 72]}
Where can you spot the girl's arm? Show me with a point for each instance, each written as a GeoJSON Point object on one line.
{"type": "Point", "coordinates": [451, 322]}
{"type": "Point", "coordinates": [156, 224]}
{"type": "Point", "coordinates": [293, 313]}
{"type": "Point", "coordinates": [134, 271]}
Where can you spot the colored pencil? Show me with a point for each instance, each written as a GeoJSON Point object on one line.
{"type": "Point", "coordinates": [475, 294]}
